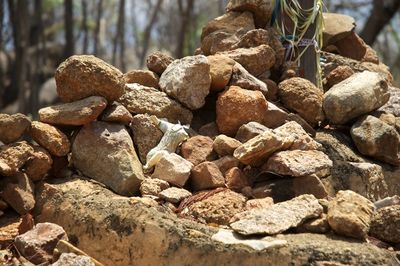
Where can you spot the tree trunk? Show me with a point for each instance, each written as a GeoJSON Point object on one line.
{"type": "Point", "coordinates": [85, 42]}
{"type": "Point", "coordinates": [2, 83]}
{"type": "Point", "coordinates": [97, 45]}
{"type": "Point", "coordinates": [119, 36]}
{"type": "Point", "coordinates": [69, 28]}
{"type": "Point", "coordinates": [185, 21]}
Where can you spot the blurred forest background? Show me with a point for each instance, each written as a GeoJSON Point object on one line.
{"type": "Point", "coordinates": [37, 35]}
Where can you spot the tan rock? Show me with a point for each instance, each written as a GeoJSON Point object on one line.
{"type": "Point", "coordinates": [39, 164]}
{"type": "Point", "coordinates": [152, 186]}
{"type": "Point", "coordinates": [309, 185]}
{"type": "Point", "coordinates": [225, 145]}
{"type": "Point", "coordinates": [174, 194]}
{"type": "Point", "coordinates": [220, 71]}
{"type": "Point", "coordinates": [336, 27]}
{"type": "Point", "coordinates": [12, 127]}
{"type": "Point", "coordinates": [352, 46]}
{"type": "Point", "coordinates": [51, 138]}
{"type": "Point", "coordinates": [158, 62]}
{"type": "Point", "coordinates": [317, 226]}
{"type": "Point", "coordinates": [243, 79]}
{"type": "Point", "coordinates": [20, 195]}
{"type": "Point", "coordinates": [338, 75]}
{"type": "Point", "coordinates": [198, 149]}
{"type": "Point", "coordinates": [300, 140]}
{"type": "Point", "coordinates": [71, 259]}
{"type": "Point", "coordinates": [274, 116]}
{"type": "Point", "coordinates": [249, 131]}
{"type": "Point", "coordinates": [117, 113]}
{"type": "Point", "coordinates": [173, 168]}
{"type": "Point", "coordinates": [235, 179]}
{"type": "Point", "coordinates": [206, 176]}
{"type": "Point", "coordinates": [259, 204]}
{"type": "Point", "coordinates": [385, 224]}
{"type": "Point", "coordinates": [143, 77]}
{"type": "Point", "coordinates": [13, 157]}
{"type": "Point", "coordinates": [261, 10]}
{"type": "Point", "coordinates": [227, 162]}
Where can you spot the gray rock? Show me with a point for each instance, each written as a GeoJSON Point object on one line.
{"type": "Point", "coordinates": [20, 195]}
{"type": "Point", "coordinates": [117, 113]}
{"type": "Point", "coordinates": [173, 168]}
{"type": "Point", "coordinates": [242, 78]}
{"type": "Point", "coordinates": [174, 194]}
{"type": "Point", "coordinates": [249, 131]}
{"type": "Point", "coordinates": [393, 105]}
{"type": "Point", "coordinates": [385, 224]}
{"type": "Point", "coordinates": [12, 127]}
{"type": "Point", "coordinates": [71, 259]}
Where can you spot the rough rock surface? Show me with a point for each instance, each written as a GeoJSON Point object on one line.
{"type": "Point", "coordinates": [393, 105]}
{"type": "Point", "coordinates": [158, 62]}
{"type": "Point", "coordinates": [71, 259]}
{"type": "Point", "coordinates": [336, 27]}
{"type": "Point", "coordinates": [224, 145]}
{"type": "Point", "coordinates": [75, 113]}
{"type": "Point", "coordinates": [13, 157]}
{"type": "Point", "coordinates": [385, 224]}
{"type": "Point", "coordinates": [174, 194]}
{"type": "Point", "coordinates": [105, 152]}
{"type": "Point", "coordinates": [173, 168]}
{"type": "Point", "coordinates": [143, 77]}
{"type": "Point", "coordinates": [274, 116]}
{"type": "Point", "coordinates": [20, 195]}
{"type": "Point", "coordinates": [220, 71]}
{"type": "Point", "coordinates": [352, 46]}
{"type": "Point", "coordinates": [261, 9]}
{"type": "Point", "coordinates": [117, 113]}
{"type": "Point", "coordinates": [249, 131]}
{"type": "Point", "coordinates": [227, 162]}
{"type": "Point", "coordinates": [152, 186]}
{"type": "Point", "coordinates": [300, 140]}
{"type": "Point", "coordinates": [235, 179]}
{"type": "Point", "coordinates": [338, 75]}
{"type": "Point", "coordinates": [12, 127]}
{"type": "Point", "coordinates": [39, 164]}
{"type": "Point", "coordinates": [198, 149]}
{"type": "Point", "coordinates": [206, 176]}
{"type": "Point", "coordinates": [243, 79]}
{"type": "Point", "coordinates": [81, 76]}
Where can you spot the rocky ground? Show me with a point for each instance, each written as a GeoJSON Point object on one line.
{"type": "Point", "coordinates": [225, 157]}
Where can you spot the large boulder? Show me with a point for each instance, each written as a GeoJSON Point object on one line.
{"type": "Point", "coordinates": [261, 10]}
{"type": "Point", "coordinates": [12, 127]}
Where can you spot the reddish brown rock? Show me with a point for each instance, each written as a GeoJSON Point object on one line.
{"type": "Point", "coordinates": [13, 157]}
{"type": "Point", "coordinates": [224, 145]}
{"type": "Point", "coordinates": [274, 116]}
{"type": "Point", "coordinates": [338, 75]}
{"type": "Point", "coordinates": [352, 46]}
{"type": "Point", "coordinates": [143, 77]}
{"type": "Point", "coordinates": [158, 62]}
{"type": "Point", "coordinates": [235, 179]}
{"type": "Point", "coordinates": [385, 224]}
{"type": "Point", "coordinates": [12, 127]}
{"type": "Point", "coordinates": [117, 113]}
{"type": "Point", "coordinates": [272, 94]}
{"type": "Point", "coordinates": [198, 149]}
{"type": "Point", "coordinates": [220, 71]}
{"type": "Point", "coordinates": [39, 164]}
{"type": "Point", "coordinates": [19, 194]}
{"type": "Point", "coordinates": [206, 176]}
{"type": "Point", "coordinates": [261, 10]}
{"type": "Point", "coordinates": [227, 162]}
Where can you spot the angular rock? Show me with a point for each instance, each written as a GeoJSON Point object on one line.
{"type": "Point", "coordinates": [279, 217]}
{"type": "Point", "coordinates": [385, 224]}
{"type": "Point", "coordinates": [209, 130]}
{"type": "Point", "coordinates": [361, 93]}
{"type": "Point", "coordinates": [152, 186]}
{"type": "Point", "coordinates": [105, 152]}
{"type": "Point", "coordinates": [300, 140]}
{"type": "Point", "coordinates": [143, 77]}
{"type": "Point", "coordinates": [309, 185]}
{"type": "Point", "coordinates": [349, 214]}
{"type": "Point", "coordinates": [220, 71]}
{"type": "Point", "coordinates": [71, 259]}
{"type": "Point", "coordinates": [13, 157]}
{"type": "Point", "coordinates": [303, 97]}
{"type": "Point", "coordinates": [188, 81]}
{"type": "Point", "coordinates": [243, 79]}
{"type": "Point", "coordinates": [81, 76]}
{"type": "Point", "coordinates": [141, 100]}
{"type": "Point", "coordinates": [236, 107]}
{"type": "Point", "coordinates": [174, 194]}
{"type": "Point", "coordinates": [336, 27]}
{"type": "Point", "coordinates": [261, 9]}
{"type": "Point", "coordinates": [51, 138]}
{"type": "Point", "coordinates": [117, 113]}
{"type": "Point", "coordinates": [224, 145]}
{"type": "Point", "coordinates": [198, 149]}
{"type": "Point", "coordinates": [249, 131]}
{"type": "Point", "coordinates": [259, 204]}
{"type": "Point", "coordinates": [393, 105]}
{"type": "Point", "coordinates": [235, 179]}
{"type": "Point", "coordinates": [39, 164]}
{"type": "Point", "coordinates": [272, 94]}
{"type": "Point", "coordinates": [316, 226]}
{"type": "Point", "coordinates": [158, 62]}
{"type": "Point", "coordinates": [76, 113]}
{"type": "Point", "coordinates": [370, 134]}
{"type": "Point", "coordinates": [352, 46]}
{"type": "Point", "coordinates": [20, 196]}
{"type": "Point", "coordinates": [12, 127]}
{"type": "Point", "coordinates": [173, 168]}
{"type": "Point", "coordinates": [338, 75]}
{"type": "Point", "coordinates": [206, 176]}
{"type": "Point", "coordinates": [227, 162]}
{"type": "Point", "coordinates": [274, 116]}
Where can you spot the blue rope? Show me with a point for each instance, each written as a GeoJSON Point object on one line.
{"type": "Point", "coordinates": [275, 13]}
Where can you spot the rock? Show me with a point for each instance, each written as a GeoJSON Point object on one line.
{"type": "Point", "coordinates": [227, 162]}
{"type": "Point", "coordinates": [310, 184]}
{"type": "Point", "coordinates": [152, 186]}
{"type": "Point", "coordinates": [303, 97]}
{"type": "Point", "coordinates": [235, 179]}
{"type": "Point", "coordinates": [209, 130]}
{"type": "Point", "coordinates": [261, 9]}
{"type": "Point", "coordinates": [370, 55]}
{"type": "Point", "coordinates": [66, 247]}
{"type": "Point", "coordinates": [188, 81]}
{"type": "Point", "coordinates": [274, 116]}
{"type": "Point", "coordinates": [20, 196]}
{"type": "Point", "coordinates": [371, 134]}
{"type": "Point", "coordinates": [81, 76]}
{"type": "Point", "coordinates": [141, 100]}
{"type": "Point", "coordinates": [117, 113]}
{"type": "Point", "coordinates": [3, 205]}
{"type": "Point", "coordinates": [259, 204]}
{"type": "Point", "coordinates": [336, 27]}
{"type": "Point", "coordinates": [300, 140]}
{"type": "Point", "coordinates": [272, 94]}
{"type": "Point", "coordinates": [352, 46]}
{"type": "Point", "coordinates": [249, 131]}
{"type": "Point", "coordinates": [385, 224]}
{"type": "Point", "coordinates": [173, 168]}
{"type": "Point", "coordinates": [361, 93]}
{"type": "Point", "coordinates": [220, 71]}
{"type": "Point", "coordinates": [338, 75]}
{"type": "Point", "coordinates": [105, 152]}
{"type": "Point", "coordinates": [257, 150]}
{"type": "Point", "coordinates": [38, 244]}
{"type": "Point", "coordinates": [198, 149]}
{"type": "Point", "coordinates": [174, 194]}
{"type": "Point", "coordinates": [349, 214]}
{"type": "Point", "coordinates": [393, 105]}
{"type": "Point", "coordinates": [51, 138]}
{"type": "Point", "coordinates": [236, 107]}
{"type": "Point", "coordinates": [243, 79]}
{"type": "Point", "coordinates": [317, 226]}
{"type": "Point", "coordinates": [225, 145]}
{"type": "Point", "coordinates": [12, 127]}
{"type": "Point", "coordinates": [13, 157]}
{"type": "Point", "coordinates": [206, 176]}
{"type": "Point", "coordinates": [218, 208]}
{"type": "Point", "coordinates": [76, 113]}
{"type": "Point", "coordinates": [39, 164]}
{"type": "Point", "coordinates": [256, 60]}
{"type": "Point", "coordinates": [278, 218]}
{"type": "Point", "coordinates": [143, 77]}
{"type": "Point", "coordinates": [158, 62]}
{"type": "Point", "coordinates": [71, 259]}
{"type": "Point", "coordinates": [303, 123]}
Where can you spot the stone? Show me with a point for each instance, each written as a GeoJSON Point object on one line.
{"type": "Point", "coordinates": [158, 62]}
{"type": "Point", "coordinates": [188, 81]}
{"type": "Point", "coordinates": [198, 149]}
{"type": "Point", "coordinates": [39, 164]}
{"type": "Point", "coordinates": [370, 55]}
{"type": "Point", "coordinates": [338, 75]}
{"type": "Point", "coordinates": [174, 194]}
{"type": "Point", "coordinates": [393, 105]}
{"type": "Point", "coordinates": [51, 138]}
{"type": "Point", "coordinates": [274, 116]}
{"type": "Point", "coordinates": [209, 130]}
{"type": "Point", "coordinates": [370, 134]}
{"type": "Point", "coordinates": [227, 162]}
{"type": "Point", "coordinates": [13, 157]}
{"type": "Point", "coordinates": [349, 214]}
{"type": "Point", "coordinates": [71, 259]}
{"type": "Point", "coordinates": [105, 152]}
{"type": "Point", "coordinates": [173, 168]}
{"type": "Point", "coordinates": [256, 60]}
{"type": "Point", "coordinates": [302, 97]}
{"type": "Point", "coordinates": [38, 244]}
{"type": "Point", "coordinates": [352, 46]}
{"type": "Point", "coordinates": [81, 76]}
{"type": "Point", "coordinates": [20, 196]}
{"type": "Point", "coordinates": [259, 204]}
{"type": "Point", "coordinates": [243, 79]}
{"type": "Point", "coordinates": [261, 10]}
{"type": "Point", "coordinates": [300, 140]}
{"type": "Point", "coordinates": [220, 71]}
{"type": "Point", "coordinates": [117, 113]}
{"type": "Point", "coordinates": [385, 224]}
{"type": "Point", "coordinates": [360, 94]}
{"type": "Point", "coordinates": [236, 107]}
{"type": "Point", "coordinates": [235, 179]}
{"type": "Point", "coordinates": [75, 113]}
{"type": "Point", "coordinates": [139, 99]}
{"type": "Point", "coordinates": [317, 226]}
{"type": "Point", "coordinates": [146, 135]}
{"type": "Point", "coordinates": [310, 184]}
{"type": "Point", "coordinates": [272, 94]}
{"type": "Point", "coordinates": [336, 27]}
{"type": "Point", "coordinates": [277, 218]}
{"type": "Point", "coordinates": [303, 123]}
{"type": "Point", "coordinates": [3, 205]}
{"type": "Point", "coordinates": [206, 175]}
{"type": "Point", "coordinates": [152, 186]}
{"type": "Point", "coordinates": [66, 247]}
{"type": "Point", "coordinates": [249, 131]}
{"type": "Point", "coordinates": [12, 127]}
{"type": "Point", "coordinates": [224, 145]}
{"type": "Point", "coordinates": [298, 163]}
{"type": "Point", "coordinates": [143, 77]}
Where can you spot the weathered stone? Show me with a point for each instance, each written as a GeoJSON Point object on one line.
{"type": "Point", "coordinates": [220, 71]}
{"type": "Point", "coordinates": [206, 176]}
{"type": "Point", "coordinates": [303, 97]}
{"type": "Point", "coordinates": [259, 204]}
{"type": "Point", "coordinates": [300, 140]}
{"type": "Point", "coordinates": [209, 130]}
{"type": "Point", "coordinates": [76, 113]}
{"type": "Point", "coordinates": [38, 244]}
{"type": "Point", "coordinates": [235, 179]}
{"type": "Point", "coordinates": [349, 214]}
{"type": "Point", "coordinates": [105, 152]}
{"type": "Point", "coordinates": [188, 81]}
{"type": "Point", "coordinates": [303, 123]}
{"type": "Point", "coordinates": [143, 77]}
{"type": "Point", "coordinates": [51, 138]}
{"type": "Point", "coordinates": [361, 93]}
{"type": "Point", "coordinates": [236, 107]}
{"type": "Point", "coordinates": [227, 162]}
{"type": "Point", "coordinates": [66, 247]}
{"type": "Point", "coordinates": [141, 100]}
{"type": "Point", "coordinates": [81, 76]}
{"type": "Point", "coordinates": [385, 224]}
{"type": "Point", "coordinates": [243, 79]}
{"type": "Point", "coordinates": [393, 105]}
{"type": "Point", "coordinates": [39, 164]}
{"type": "Point", "coordinates": [278, 218]}
{"type": "Point", "coordinates": [310, 184]}
{"type": "Point", "coordinates": [225, 145]}
{"type": "Point", "coordinates": [371, 134]}
{"type": "Point", "coordinates": [338, 75]}
{"type": "Point", "coordinates": [317, 226]}
{"type": "Point", "coordinates": [117, 113]}
{"type": "Point", "coordinates": [272, 94]}
{"type": "Point", "coordinates": [173, 168]}
{"type": "Point", "coordinates": [274, 116]}
{"type": "Point", "coordinates": [249, 131]}
{"type": "Point", "coordinates": [370, 56]}
{"type": "Point", "coordinates": [198, 149]}
{"type": "Point", "coordinates": [261, 9]}
{"type": "Point", "coordinates": [3, 205]}
{"type": "Point", "coordinates": [152, 186]}
{"type": "Point", "coordinates": [158, 62]}
{"type": "Point", "coordinates": [71, 259]}
{"type": "Point", "coordinates": [352, 46]}
{"type": "Point", "coordinates": [336, 27]}
{"type": "Point", "coordinates": [13, 157]}
{"type": "Point", "coordinates": [12, 127]}
{"type": "Point", "coordinates": [20, 196]}
{"type": "Point", "coordinates": [174, 194]}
